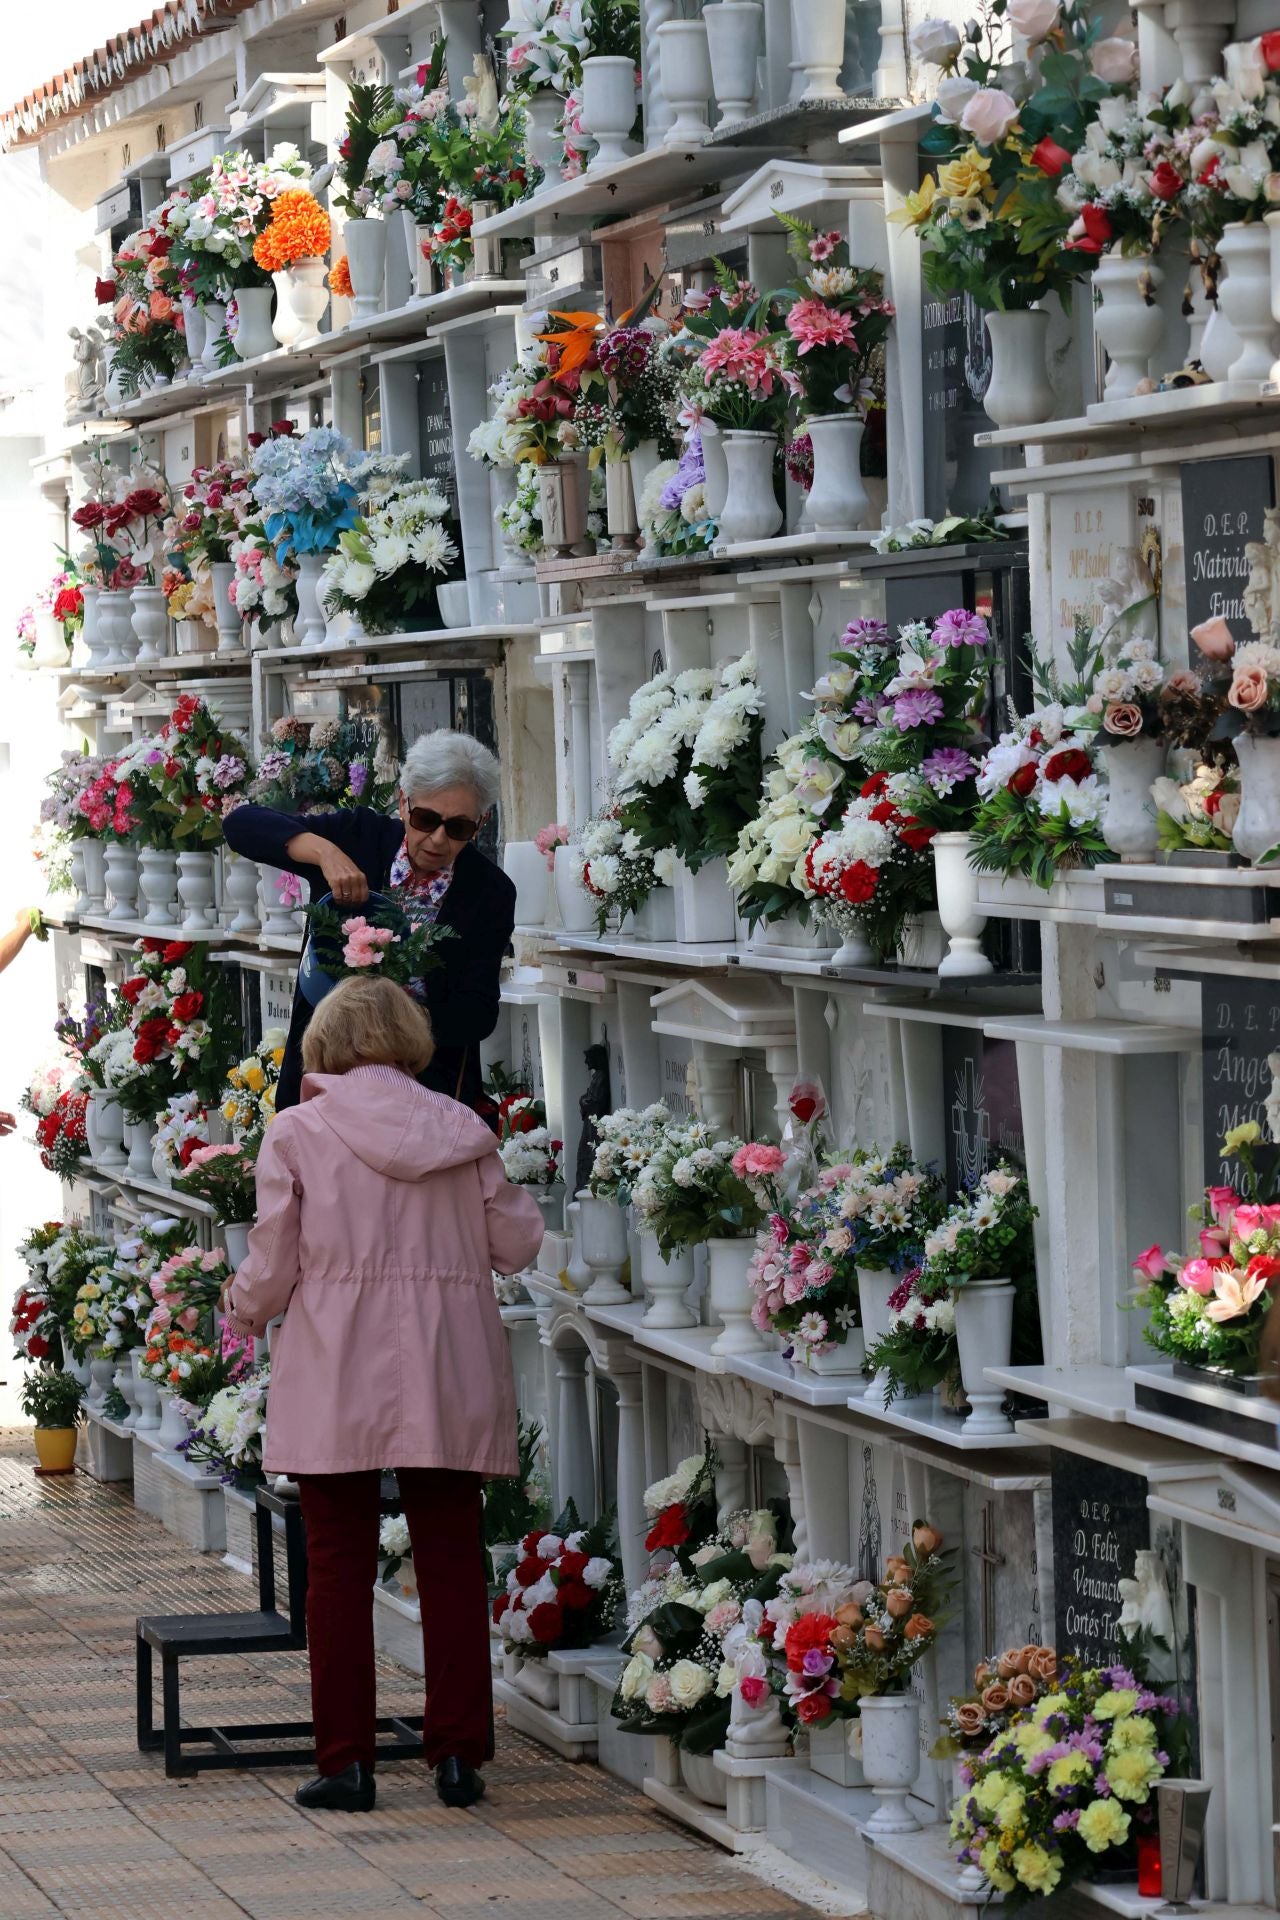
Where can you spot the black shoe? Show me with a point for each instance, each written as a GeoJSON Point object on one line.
{"type": "Point", "coordinates": [354, 1790]}
{"type": "Point", "coordinates": [457, 1784]}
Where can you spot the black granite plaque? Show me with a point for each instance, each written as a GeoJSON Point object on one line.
{"type": "Point", "coordinates": [1100, 1520]}
{"type": "Point", "coordinates": [1223, 502]}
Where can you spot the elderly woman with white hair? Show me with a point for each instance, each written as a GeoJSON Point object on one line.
{"type": "Point", "coordinates": [448, 785]}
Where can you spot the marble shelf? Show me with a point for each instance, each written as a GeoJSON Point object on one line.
{"type": "Point", "coordinates": [943, 1012]}
{"type": "Point", "coordinates": [1154, 1456]}
{"type": "Point", "coordinates": [1193, 407]}
{"type": "Point", "coordinates": [1103, 1393]}
{"type": "Point", "coordinates": [690, 1346]}
{"type": "Point", "coordinates": [800, 546]}
{"type": "Point", "coordinates": [805, 126]}
{"type": "Point", "coordinates": [1245, 1426]}
{"type": "Point", "coordinates": [1094, 1036]}
{"type": "Point", "coordinates": [819, 1824]}
{"type": "Point", "coordinates": [668, 953]}
{"type": "Point", "coordinates": [1075, 900]}
{"type": "Point", "coordinates": [634, 184]}
{"type": "Point", "coordinates": [932, 1422]}
{"type": "Point", "coordinates": [794, 1383]}
{"type": "Point", "coordinates": [352, 652]}
{"type": "Point", "coordinates": [709, 1821]}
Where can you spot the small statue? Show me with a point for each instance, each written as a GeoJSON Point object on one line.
{"type": "Point", "coordinates": [594, 1102]}
{"type": "Point", "coordinates": [1128, 602]}
{"type": "Point", "coordinates": [89, 386]}
{"type": "Point", "coordinates": [480, 88]}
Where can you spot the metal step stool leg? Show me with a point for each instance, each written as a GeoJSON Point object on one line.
{"type": "Point", "coordinates": [172, 1716]}
{"type": "Point", "coordinates": [148, 1739]}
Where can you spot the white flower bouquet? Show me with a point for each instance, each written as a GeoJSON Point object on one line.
{"type": "Point", "coordinates": [386, 565]}
{"type": "Point", "coordinates": [626, 1141]}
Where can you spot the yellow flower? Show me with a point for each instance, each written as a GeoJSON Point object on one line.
{"type": "Point", "coordinates": [1065, 1772]}
{"type": "Point", "coordinates": [1116, 1705]}
{"type": "Point", "coordinates": [1246, 1136]}
{"type": "Point", "coordinates": [255, 1079]}
{"type": "Point", "coordinates": [990, 1791]}
{"type": "Point", "coordinates": [1038, 1870]}
{"type": "Point", "coordinates": [230, 1108]}
{"type": "Point", "coordinates": [1133, 1731]}
{"type": "Point", "coordinates": [989, 1861]}
{"type": "Point", "coordinates": [1131, 1774]}
{"type": "Point", "coordinates": [1052, 1703]}
{"type": "Point", "coordinates": [1011, 1808]}
{"type": "Point", "coordinates": [79, 1311]}
{"type": "Point", "coordinates": [917, 206]}
{"type": "Point", "coordinates": [1103, 1825]}
{"type": "Point", "coordinates": [965, 176]}
{"type": "Point", "coordinates": [277, 1057]}
{"type": "Point", "coordinates": [1028, 1740]}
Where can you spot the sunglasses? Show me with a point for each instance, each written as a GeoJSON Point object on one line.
{"type": "Point", "coordinates": [457, 826]}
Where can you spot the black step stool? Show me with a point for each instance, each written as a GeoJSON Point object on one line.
{"type": "Point", "coordinates": [175, 1636]}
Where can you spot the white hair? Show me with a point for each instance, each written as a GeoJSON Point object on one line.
{"type": "Point", "coordinates": [448, 759]}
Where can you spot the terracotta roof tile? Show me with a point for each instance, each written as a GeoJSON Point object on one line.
{"type": "Point", "coordinates": [125, 57]}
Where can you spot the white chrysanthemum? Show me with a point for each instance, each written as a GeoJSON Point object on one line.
{"type": "Point", "coordinates": [1084, 800]}
{"type": "Point", "coordinates": [432, 548]}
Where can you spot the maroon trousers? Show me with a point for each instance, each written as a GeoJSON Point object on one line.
{"type": "Point", "coordinates": [444, 1512]}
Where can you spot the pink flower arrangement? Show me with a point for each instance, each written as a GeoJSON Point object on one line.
{"type": "Point", "coordinates": [812, 323]}
{"type": "Point", "coordinates": [754, 1160]}
{"type": "Point", "coordinates": [366, 946]}
{"type": "Point", "coordinates": [548, 838]}
{"type": "Point", "coordinates": [742, 354]}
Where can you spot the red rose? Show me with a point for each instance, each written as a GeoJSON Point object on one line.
{"type": "Point", "coordinates": [670, 1529]}
{"type": "Point", "coordinates": [91, 515]}
{"type": "Point", "coordinates": [858, 882]}
{"type": "Point", "coordinates": [1050, 157]}
{"type": "Point", "coordinates": [804, 1106]}
{"type": "Point", "coordinates": [574, 1595]}
{"type": "Point", "coordinates": [1097, 230]}
{"type": "Point", "coordinates": [547, 1623]}
{"type": "Point", "coordinates": [500, 1606]}
{"type": "Point", "coordinates": [187, 1006]}
{"type": "Point", "coordinates": [104, 292]}
{"type": "Point", "coordinates": [175, 950]}
{"type": "Point", "coordinates": [812, 1707]}
{"type": "Point", "coordinates": [1263, 1267]}
{"type": "Point", "coordinates": [284, 427]}
{"type": "Point", "coordinates": [149, 1041]}
{"type": "Point", "coordinates": [1023, 781]}
{"type": "Point", "coordinates": [1072, 763]}
{"type": "Point", "coordinates": [1165, 182]}
{"type": "Point", "coordinates": [530, 1570]}
{"type": "Point", "coordinates": [131, 989]}
{"type": "Point", "coordinates": [1269, 47]}
{"type": "Point", "coordinates": [172, 1036]}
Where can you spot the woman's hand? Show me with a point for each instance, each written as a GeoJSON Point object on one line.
{"type": "Point", "coordinates": [347, 883]}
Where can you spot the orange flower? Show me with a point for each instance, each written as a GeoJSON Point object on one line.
{"type": "Point", "coordinates": [340, 278]}
{"type": "Point", "coordinates": [577, 343]}
{"type": "Point", "coordinates": [298, 230]}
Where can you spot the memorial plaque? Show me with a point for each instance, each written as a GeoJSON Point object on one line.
{"type": "Point", "coordinates": [435, 430]}
{"type": "Point", "coordinates": [1240, 1027]}
{"type": "Point", "coordinates": [673, 1063]}
{"type": "Point", "coordinates": [955, 375]}
{"type": "Point", "coordinates": [983, 1110]}
{"type": "Point", "coordinates": [276, 991]}
{"type": "Point", "coordinates": [1223, 503]}
{"type": "Point", "coordinates": [1082, 540]}
{"type": "Point", "coordinates": [1100, 1521]}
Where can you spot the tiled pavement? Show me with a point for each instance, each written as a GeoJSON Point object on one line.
{"type": "Point", "coordinates": [90, 1829]}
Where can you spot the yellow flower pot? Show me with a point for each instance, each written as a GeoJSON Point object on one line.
{"type": "Point", "coordinates": [56, 1449]}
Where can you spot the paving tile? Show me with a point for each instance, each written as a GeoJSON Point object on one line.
{"type": "Point", "coordinates": [90, 1829]}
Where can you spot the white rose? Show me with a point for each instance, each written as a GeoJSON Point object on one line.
{"type": "Point", "coordinates": [953, 96]}
{"type": "Point", "coordinates": [1245, 68]}
{"type": "Point", "coordinates": [1033, 19]}
{"type": "Point", "coordinates": [689, 1683]}
{"type": "Point", "coordinates": [1115, 61]}
{"type": "Point", "coordinates": [636, 1676]}
{"type": "Point", "coordinates": [936, 42]}
{"type": "Point", "coordinates": [989, 114]}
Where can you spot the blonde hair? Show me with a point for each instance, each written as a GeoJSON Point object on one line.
{"type": "Point", "coordinates": [367, 1022]}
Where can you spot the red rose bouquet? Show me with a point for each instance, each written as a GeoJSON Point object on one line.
{"type": "Point", "coordinates": [869, 874]}
{"type": "Point", "coordinates": [564, 1588]}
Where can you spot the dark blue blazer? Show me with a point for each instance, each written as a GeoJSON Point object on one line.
{"type": "Point", "coordinates": [462, 994]}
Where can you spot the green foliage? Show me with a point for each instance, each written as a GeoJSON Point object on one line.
{"type": "Point", "coordinates": [1010, 835]}
{"type": "Point", "coordinates": [52, 1399]}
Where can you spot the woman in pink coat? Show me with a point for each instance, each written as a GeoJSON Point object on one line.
{"type": "Point", "coordinates": [383, 1211]}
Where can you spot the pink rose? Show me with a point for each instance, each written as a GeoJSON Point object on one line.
{"type": "Point", "coordinates": [1033, 19]}
{"type": "Point", "coordinates": [1214, 1242]}
{"type": "Point", "coordinates": [1214, 638]}
{"type": "Point", "coordinates": [1249, 1220]}
{"type": "Point", "coordinates": [779, 1229]}
{"type": "Point", "coordinates": [753, 1690]}
{"type": "Point", "coordinates": [794, 1288]}
{"type": "Point", "coordinates": [1152, 1263]}
{"type": "Point", "coordinates": [760, 1314]}
{"type": "Point", "coordinates": [1197, 1277]}
{"type": "Point", "coordinates": [1115, 61]}
{"type": "Point", "coordinates": [1248, 690]}
{"type": "Point", "coordinates": [988, 115]}
{"type": "Point", "coordinates": [1123, 719]}
{"type": "Point", "coordinates": [1222, 1204]}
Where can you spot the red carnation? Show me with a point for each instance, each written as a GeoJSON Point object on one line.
{"type": "Point", "coordinates": [174, 950]}
{"type": "Point", "coordinates": [187, 1006]}
{"type": "Point", "coordinates": [670, 1529]}
{"type": "Point", "coordinates": [1050, 157]}
{"type": "Point", "coordinates": [1165, 182]}
{"type": "Point", "coordinates": [1263, 1267]}
{"type": "Point", "coordinates": [883, 812]}
{"type": "Point", "coordinates": [1023, 781]}
{"type": "Point", "coordinates": [500, 1606]}
{"type": "Point", "coordinates": [876, 784]}
{"type": "Point", "coordinates": [1269, 47]}
{"type": "Point", "coordinates": [574, 1595]}
{"type": "Point", "coordinates": [547, 1622]}
{"type": "Point", "coordinates": [809, 1631]}
{"type": "Point", "coordinates": [131, 989]}
{"type": "Point", "coordinates": [858, 883]}
{"type": "Point", "coordinates": [570, 1566]}
{"type": "Point", "coordinates": [187, 1148]}
{"type": "Point", "coordinates": [1072, 763]}
{"type": "Point", "coordinates": [37, 1346]}
{"type": "Point", "coordinates": [529, 1571]}
{"type": "Point", "coordinates": [916, 836]}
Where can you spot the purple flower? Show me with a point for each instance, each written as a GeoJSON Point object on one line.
{"type": "Point", "coordinates": [866, 710]}
{"type": "Point", "coordinates": [154, 757]}
{"type": "Point", "coordinates": [228, 772]}
{"type": "Point", "coordinates": [946, 767]}
{"type": "Point", "coordinates": [917, 707]}
{"type": "Point", "coordinates": [358, 774]}
{"type": "Point", "coordinates": [865, 633]}
{"type": "Point", "coordinates": [272, 765]}
{"type": "Point", "coordinates": [1067, 1822]}
{"type": "Point", "coordinates": [816, 1661]}
{"type": "Point", "coordinates": [691, 472]}
{"type": "Point", "coordinates": [960, 629]}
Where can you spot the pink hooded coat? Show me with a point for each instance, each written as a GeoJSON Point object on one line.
{"type": "Point", "coordinates": [383, 1211]}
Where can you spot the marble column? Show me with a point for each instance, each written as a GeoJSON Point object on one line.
{"type": "Point", "coordinates": [631, 1476]}
{"type": "Point", "coordinates": [575, 1465]}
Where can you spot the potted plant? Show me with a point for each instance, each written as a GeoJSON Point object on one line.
{"type": "Point", "coordinates": [983, 1251]}
{"type": "Point", "coordinates": [899, 1621]}
{"type": "Point", "coordinates": [291, 248]}
{"type": "Point", "coordinates": [626, 1141]}
{"type": "Point", "coordinates": [383, 571]}
{"type": "Point", "coordinates": [223, 1174]}
{"type": "Point", "coordinates": [53, 1400]}
{"type": "Point", "coordinates": [230, 208]}
{"type": "Point", "coordinates": [530, 1156]}
{"type": "Point", "coordinates": [836, 324]}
